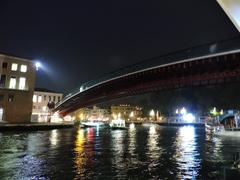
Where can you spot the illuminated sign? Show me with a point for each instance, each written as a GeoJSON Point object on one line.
{"type": "Point", "coordinates": [232, 9]}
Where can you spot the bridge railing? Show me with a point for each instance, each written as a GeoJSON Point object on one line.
{"type": "Point", "coordinates": [200, 51]}
{"type": "Point", "coordinates": [194, 52]}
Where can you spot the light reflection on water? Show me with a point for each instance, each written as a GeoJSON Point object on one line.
{"type": "Point", "coordinates": [132, 141]}
{"type": "Point", "coordinates": [186, 153]}
{"type": "Point", "coordinates": [54, 137]}
{"type": "Point", "coordinates": [80, 158]}
{"type": "Point", "coordinates": [118, 164]}
{"type": "Point", "coordinates": [152, 152]}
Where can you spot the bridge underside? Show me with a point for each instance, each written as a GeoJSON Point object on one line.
{"type": "Point", "coordinates": [203, 71]}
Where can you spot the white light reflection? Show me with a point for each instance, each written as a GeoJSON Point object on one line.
{"type": "Point", "coordinates": [186, 153]}
{"type": "Point", "coordinates": [132, 126]}
{"type": "Point", "coordinates": [132, 139]}
{"type": "Point", "coordinates": [154, 151]}
{"type": "Point", "coordinates": [152, 130]}
{"type": "Point", "coordinates": [214, 148]}
{"type": "Point", "coordinates": [118, 161]}
{"type": "Point", "coordinates": [54, 137]}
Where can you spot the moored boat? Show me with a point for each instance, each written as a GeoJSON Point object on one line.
{"type": "Point", "coordinates": [91, 124]}
{"type": "Point", "coordinates": [228, 125]}
{"type": "Point", "coordinates": [118, 124]}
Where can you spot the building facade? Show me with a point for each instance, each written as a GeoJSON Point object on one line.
{"type": "Point", "coordinates": [17, 81]}
{"type": "Point", "coordinates": [126, 111]}
{"type": "Point", "coordinates": [94, 113]}
{"type": "Point", "coordinates": [41, 98]}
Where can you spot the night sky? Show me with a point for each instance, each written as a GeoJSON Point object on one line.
{"type": "Point", "coordinates": [77, 41]}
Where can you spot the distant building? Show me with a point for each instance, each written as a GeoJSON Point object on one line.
{"type": "Point", "coordinates": [41, 98]}
{"type": "Point", "coordinates": [17, 80]}
{"type": "Point", "coordinates": [94, 113]}
{"type": "Point", "coordinates": [126, 112]}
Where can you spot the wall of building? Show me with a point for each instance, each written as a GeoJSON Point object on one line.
{"type": "Point", "coordinates": [40, 112]}
{"type": "Point", "coordinates": [94, 113]}
{"type": "Point", "coordinates": [126, 112]}
{"type": "Point", "coordinates": [16, 97]}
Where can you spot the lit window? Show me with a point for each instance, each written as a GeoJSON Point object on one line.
{"type": "Point", "coordinates": [34, 98]}
{"type": "Point", "coordinates": [23, 68]}
{"type": "Point", "coordinates": [14, 67]}
{"type": "Point", "coordinates": [44, 108]}
{"type": "Point", "coordinates": [22, 83]}
{"type": "Point", "coordinates": [12, 84]}
{"type": "Point", "coordinates": [39, 99]}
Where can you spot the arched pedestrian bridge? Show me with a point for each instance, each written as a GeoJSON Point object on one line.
{"type": "Point", "coordinates": [204, 65]}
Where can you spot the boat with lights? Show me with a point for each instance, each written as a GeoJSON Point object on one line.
{"type": "Point", "coordinates": [91, 123]}
{"type": "Point", "coordinates": [118, 124]}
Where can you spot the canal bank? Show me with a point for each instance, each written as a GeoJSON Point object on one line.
{"type": "Point", "coordinates": [34, 126]}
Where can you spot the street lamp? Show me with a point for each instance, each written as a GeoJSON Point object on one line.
{"type": "Point", "coordinates": [38, 65]}
{"type": "Point", "coordinates": [214, 111]}
{"type": "Point", "coordinates": [132, 114]}
{"type": "Point", "coordinates": [183, 111]}
{"type": "Point", "coordinates": [152, 113]}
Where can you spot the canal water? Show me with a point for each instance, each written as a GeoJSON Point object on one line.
{"type": "Point", "coordinates": [143, 152]}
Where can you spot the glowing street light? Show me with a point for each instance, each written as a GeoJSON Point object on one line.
{"type": "Point", "coordinates": [189, 117]}
{"type": "Point", "coordinates": [152, 113]}
{"type": "Point", "coordinates": [214, 111]}
{"type": "Point", "coordinates": [38, 65]}
{"type": "Point", "coordinates": [183, 111]}
{"type": "Point", "coordinates": [221, 112]}
{"type": "Point", "coordinates": [177, 112]}
{"type": "Point", "coordinates": [131, 114]}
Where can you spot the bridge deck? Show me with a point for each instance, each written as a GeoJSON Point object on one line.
{"type": "Point", "coordinates": [198, 66]}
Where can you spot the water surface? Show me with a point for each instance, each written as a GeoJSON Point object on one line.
{"type": "Point", "coordinates": [144, 152]}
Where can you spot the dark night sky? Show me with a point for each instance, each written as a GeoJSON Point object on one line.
{"type": "Point", "coordinates": [79, 40]}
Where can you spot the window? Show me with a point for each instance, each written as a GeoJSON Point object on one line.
{"type": "Point", "coordinates": [22, 83]}
{"type": "Point", "coordinates": [12, 84]}
{"type": "Point", "coordinates": [1, 97]}
{"type": "Point", "coordinates": [10, 98]}
{"type": "Point", "coordinates": [34, 98]}
{"type": "Point", "coordinates": [1, 114]}
{"type": "Point", "coordinates": [2, 80]}
{"type": "Point", "coordinates": [54, 98]}
{"type": "Point", "coordinates": [4, 65]}
{"type": "Point", "coordinates": [50, 98]}
{"type": "Point", "coordinates": [45, 97]}
{"type": "Point", "coordinates": [39, 98]}
{"type": "Point", "coordinates": [44, 108]}
{"type": "Point", "coordinates": [14, 67]}
{"type": "Point", "coordinates": [59, 98]}
{"type": "Point", "coordinates": [23, 68]}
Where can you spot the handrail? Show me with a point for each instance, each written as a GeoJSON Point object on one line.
{"type": "Point", "coordinates": [194, 53]}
